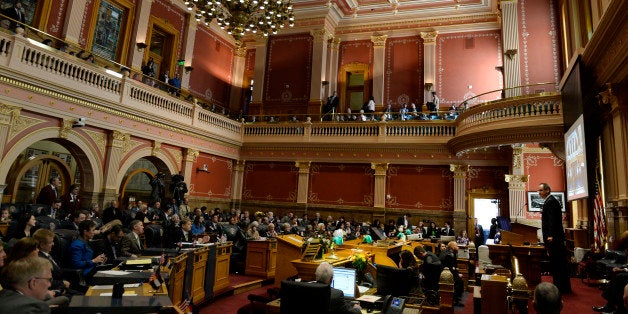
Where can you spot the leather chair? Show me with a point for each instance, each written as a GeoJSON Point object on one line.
{"type": "Point", "coordinates": [304, 297]}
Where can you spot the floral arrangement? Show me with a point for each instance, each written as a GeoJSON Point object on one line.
{"type": "Point", "coordinates": [259, 214]}
{"type": "Point", "coordinates": [322, 238]}
{"type": "Point", "coordinates": [359, 261]}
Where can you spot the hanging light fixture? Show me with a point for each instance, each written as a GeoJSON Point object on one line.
{"type": "Point", "coordinates": [239, 17]}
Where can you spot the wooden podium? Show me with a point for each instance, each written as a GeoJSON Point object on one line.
{"type": "Point", "coordinates": [529, 257]}
{"type": "Point", "coordinates": [288, 249]}
{"type": "Point", "coordinates": [261, 258]}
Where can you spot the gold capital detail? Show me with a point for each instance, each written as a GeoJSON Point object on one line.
{"type": "Point", "coordinates": [304, 166]}
{"type": "Point", "coordinates": [429, 37]}
{"type": "Point", "coordinates": [513, 178]}
{"type": "Point", "coordinates": [320, 35]}
{"type": "Point", "coordinates": [379, 40]}
{"type": "Point", "coordinates": [459, 169]}
{"type": "Point", "coordinates": [380, 168]}
{"type": "Point", "coordinates": [120, 140]}
{"type": "Point", "coordinates": [156, 148]}
{"type": "Point", "coordinates": [65, 129]}
{"type": "Point", "coordinates": [191, 154]}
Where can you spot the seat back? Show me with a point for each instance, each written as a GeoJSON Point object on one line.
{"type": "Point", "coordinates": [304, 297]}
{"type": "Point", "coordinates": [483, 256]}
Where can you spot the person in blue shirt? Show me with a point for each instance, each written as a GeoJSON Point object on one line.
{"type": "Point", "coordinates": [198, 227]}
{"type": "Point", "coordinates": [81, 254]}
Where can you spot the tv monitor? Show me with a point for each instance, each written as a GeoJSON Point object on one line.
{"type": "Point", "coordinates": [576, 161]}
{"type": "Point", "coordinates": [414, 237]}
{"type": "Point", "coordinates": [377, 234]}
{"type": "Point", "coordinates": [394, 281]}
{"type": "Point", "coordinates": [344, 279]}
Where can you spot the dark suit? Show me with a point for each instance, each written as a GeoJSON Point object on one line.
{"type": "Point", "coordinates": [14, 302]}
{"type": "Point", "coordinates": [47, 195]}
{"type": "Point", "coordinates": [552, 226]}
{"type": "Point", "coordinates": [129, 245]}
{"type": "Point", "coordinates": [13, 13]}
{"type": "Point", "coordinates": [70, 205]}
{"type": "Point", "coordinates": [338, 305]}
{"type": "Point", "coordinates": [57, 273]}
{"type": "Point", "coordinates": [181, 237]}
{"type": "Point", "coordinates": [111, 250]}
{"type": "Point", "coordinates": [446, 232]}
{"type": "Point", "coordinates": [111, 213]}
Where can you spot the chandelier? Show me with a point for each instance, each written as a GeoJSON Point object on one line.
{"type": "Point", "coordinates": [239, 17]}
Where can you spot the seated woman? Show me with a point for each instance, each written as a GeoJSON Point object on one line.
{"type": "Point", "coordinates": [81, 254]}
{"type": "Point", "coordinates": [433, 231]}
{"type": "Point", "coordinates": [463, 239]}
{"type": "Point", "coordinates": [198, 227]}
{"type": "Point", "coordinates": [252, 233]}
{"type": "Point", "coordinates": [26, 226]}
{"type": "Point", "coordinates": [408, 261]}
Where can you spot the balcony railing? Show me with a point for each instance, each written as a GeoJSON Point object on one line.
{"type": "Point", "coordinates": [29, 64]}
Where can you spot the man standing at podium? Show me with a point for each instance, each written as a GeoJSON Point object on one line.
{"type": "Point", "coordinates": [554, 238]}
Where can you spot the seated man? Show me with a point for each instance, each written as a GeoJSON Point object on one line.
{"type": "Point", "coordinates": [131, 243]}
{"type": "Point", "coordinates": [110, 245]}
{"type": "Point", "coordinates": [430, 268]}
{"type": "Point", "coordinates": [25, 282]}
{"type": "Point", "coordinates": [337, 303]}
{"type": "Point", "coordinates": [614, 291]}
{"type": "Point", "coordinates": [547, 299]}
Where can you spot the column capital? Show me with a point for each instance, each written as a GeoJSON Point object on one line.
{"type": "Point", "coordinates": [261, 41]}
{"type": "Point", "coordinates": [607, 98]}
{"type": "Point", "coordinates": [334, 43]}
{"type": "Point", "coordinates": [240, 49]}
{"type": "Point", "coordinates": [515, 178]}
{"type": "Point", "coordinates": [320, 35]}
{"type": "Point", "coordinates": [120, 139]}
{"type": "Point", "coordinates": [304, 166]}
{"type": "Point", "coordinates": [239, 165]}
{"type": "Point", "coordinates": [191, 154]}
{"type": "Point", "coordinates": [380, 168]}
{"type": "Point", "coordinates": [429, 37]}
{"type": "Point", "coordinates": [8, 114]}
{"type": "Point", "coordinates": [156, 148]}
{"type": "Point", "coordinates": [459, 170]}
{"type": "Point", "coordinates": [65, 128]}
{"type": "Point", "coordinates": [379, 41]}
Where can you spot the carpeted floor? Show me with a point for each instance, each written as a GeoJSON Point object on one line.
{"type": "Point", "coordinates": [580, 301]}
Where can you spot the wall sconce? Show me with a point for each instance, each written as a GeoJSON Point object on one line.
{"type": "Point", "coordinates": [202, 169]}
{"type": "Point", "coordinates": [428, 86]}
{"type": "Point", "coordinates": [141, 46]}
{"type": "Point", "coordinates": [287, 86]}
{"type": "Point", "coordinates": [188, 69]}
{"type": "Point", "coordinates": [325, 83]}
{"type": "Point", "coordinates": [510, 53]}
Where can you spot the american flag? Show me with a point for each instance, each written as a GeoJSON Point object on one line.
{"type": "Point", "coordinates": [599, 217]}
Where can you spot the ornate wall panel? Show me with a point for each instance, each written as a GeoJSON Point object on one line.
{"type": "Point", "coordinates": [465, 66]}
{"type": "Point", "coordinates": [288, 74]}
{"type": "Point", "coordinates": [169, 12]}
{"type": "Point", "coordinates": [249, 64]}
{"type": "Point", "coordinates": [543, 167]}
{"type": "Point", "coordinates": [404, 71]}
{"type": "Point", "coordinates": [420, 187]}
{"type": "Point", "coordinates": [57, 17]}
{"type": "Point", "coordinates": [358, 51]}
{"type": "Point", "coordinates": [85, 24]}
{"type": "Point", "coordinates": [213, 65]}
{"type": "Point", "coordinates": [539, 43]}
{"type": "Point", "coordinates": [216, 183]}
{"type": "Point", "coordinates": [341, 184]}
{"type": "Point", "coordinates": [270, 181]}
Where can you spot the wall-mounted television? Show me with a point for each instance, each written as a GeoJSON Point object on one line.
{"type": "Point", "coordinates": [576, 161]}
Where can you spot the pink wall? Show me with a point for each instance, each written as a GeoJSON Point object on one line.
{"type": "Point", "coordinates": [270, 181]}
{"type": "Point", "coordinates": [404, 71]}
{"type": "Point", "coordinates": [166, 10]}
{"type": "Point", "coordinates": [213, 65]}
{"type": "Point", "coordinates": [543, 167]}
{"type": "Point", "coordinates": [464, 59]}
{"type": "Point", "coordinates": [217, 183]}
{"type": "Point", "coordinates": [288, 73]}
{"type": "Point", "coordinates": [341, 184]}
{"type": "Point", "coordinates": [539, 44]}
{"type": "Point", "coordinates": [420, 187]}
{"type": "Point", "coordinates": [57, 17]}
{"type": "Point", "coordinates": [360, 51]}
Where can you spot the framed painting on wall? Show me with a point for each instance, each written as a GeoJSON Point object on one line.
{"type": "Point", "coordinates": [107, 30]}
{"type": "Point", "coordinates": [535, 202]}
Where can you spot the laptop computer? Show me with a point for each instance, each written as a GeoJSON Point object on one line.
{"type": "Point", "coordinates": [344, 279]}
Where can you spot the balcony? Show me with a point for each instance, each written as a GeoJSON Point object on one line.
{"type": "Point", "coordinates": [39, 69]}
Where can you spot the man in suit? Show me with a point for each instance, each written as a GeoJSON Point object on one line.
{"type": "Point", "coordinates": [110, 244]}
{"type": "Point", "coordinates": [71, 201]}
{"type": "Point", "coordinates": [111, 213]}
{"type": "Point", "coordinates": [554, 238]}
{"type": "Point", "coordinates": [447, 231]}
{"type": "Point", "coordinates": [25, 282]}
{"type": "Point", "coordinates": [45, 238]}
{"type": "Point", "coordinates": [54, 211]}
{"type": "Point", "coordinates": [131, 243]}
{"type": "Point", "coordinates": [17, 14]}
{"type": "Point", "coordinates": [50, 192]}
{"type": "Point", "coordinates": [337, 303]}
{"type": "Point", "coordinates": [479, 234]}
{"type": "Point", "coordinates": [404, 220]}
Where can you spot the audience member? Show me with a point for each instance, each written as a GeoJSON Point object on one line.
{"type": "Point", "coordinates": [24, 247]}
{"type": "Point", "coordinates": [131, 242]}
{"type": "Point", "coordinates": [45, 239]}
{"type": "Point", "coordinates": [71, 201]}
{"type": "Point", "coordinates": [26, 226]}
{"type": "Point", "coordinates": [479, 234]}
{"type": "Point", "coordinates": [50, 192]}
{"type": "Point", "coordinates": [430, 268]}
{"type": "Point", "coordinates": [337, 303]}
{"type": "Point", "coordinates": [81, 254]}
{"type": "Point", "coordinates": [112, 212]}
{"type": "Point", "coordinates": [449, 259]}
{"type": "Point", "coordinates": [25, 282]}
{"type": "Point", "coordinates": [408, 261]}
{"type": "Point", "coordinates": [547, 299]}
{"type": "Point", "coordinates": [110, 245]}
{"type": "Point", "coordinates": [463, 239]}
{"type": "Point", "coordinates": [447, 230]}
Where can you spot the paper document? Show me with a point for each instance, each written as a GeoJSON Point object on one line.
{"type": "Point", "coordinates": [369, 298]}
{"type": "Point", "coordinates": [128, 294]}
{"type": "Point", "coordinates": [114, 272]}
{"type": "Point", "coordinates": [140, 261]}
{"type": "Point", "coordinates": [363, 289]}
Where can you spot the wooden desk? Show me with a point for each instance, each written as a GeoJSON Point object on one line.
{"type": "Point", "coordinates": [288, 249]}
{"type": "Point", "coordinates": [223, 257]}
{"type": "Point", "coordinates": [144, 289]}
{"type": "Point", "coordinates": [384, 255]}
{"type": "Point", "coordinates": [307, 269]}
{"type": "Point", "coordinates": [261, 258]}
{"type": "Point", "coordinates": [529, 257]}
{"type": "Point", "coordinates": [136, 305]}
{"type": "Point", "coordinates": [493, 294]}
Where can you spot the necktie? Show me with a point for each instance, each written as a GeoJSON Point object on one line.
{"type": "Point", "coordinates": [139, 243]}
{"type": "Point", "coordinates": [52, 261]}
{"type": "Point", "coordinates": [113, 249]}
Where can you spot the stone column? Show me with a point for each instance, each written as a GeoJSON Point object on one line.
{"type": "Point", "coordinates": [189, 52]}
{"type": "Point", "coordinates": [379, 191]}
{"type": "Point", "coordinates": [304, 179]}
{"type": "Point", "coordinates": [140, 23]}
{"type": "Point", "coordinates": [379, 60]}
{"type": "Point", "coordinates": [332, 70]}
{"type": "Point", "coordinates": [189, 157]}
{"type": "Point", "coordinates": [319, 67]}
{"type": "Point", "coordinates": [235, 99]}
{"type": "Point", "coordinates": [460, 191]}
{"type": "Point", "coordinates": [429, 64]}
{"type": "Point", "coordinates": [73, 21]}
{"type": "Point", "coordinates": [238, 181]}
{"type": "Point", "coordinates": [256, 107]}
{"type": "Point", "coordinates": [517, 185]}
{"type": "Point", "coordinates": [118, 144]}
{"type": "Point", "coordinates": [510, 40]}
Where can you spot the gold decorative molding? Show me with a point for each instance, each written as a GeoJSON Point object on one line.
{"type": "Point", "coordinates": [304, 166]}
{"type": "Point", "coordinates": [120, 140]}
{"type": "Point", "coordinates": [459, 170]}
{"type": "Point", "coordinates": [513, 178]}
{"type": "Point", "coordinates": [320, 35]}
{"type": "Point", "coordinates": [240, 49]}
{"type": "Point", "coordinates": [191, 154]}
{"type": "Point", "coordinates": [334, 43]}
{"type": "Point", "coordinates": [8, 114]}
{"type": "Point", "coordinates": [429, 37]}
{"type": "Point", "coordinates": [11, 116]}
{"type": "Point", "coordinates": [517, 156]}
{"type": "Point", "coordinates": [65, 128]}
{"type": "Point", "coordinates": [239, 165]}
{"type": "Point", "coordinates": [156, 148]}
{"type": "Point", "coordinates": [176, 154]}
{"type": "Point", "coordinates": [99, 138]}
{"type": "Point", "coordinates": [380, 168]}
{"type": "Point", "coordinates": [379, 41]}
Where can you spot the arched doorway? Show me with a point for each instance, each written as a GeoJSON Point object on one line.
{"type": "Point", "coordinates": [136, 186]}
